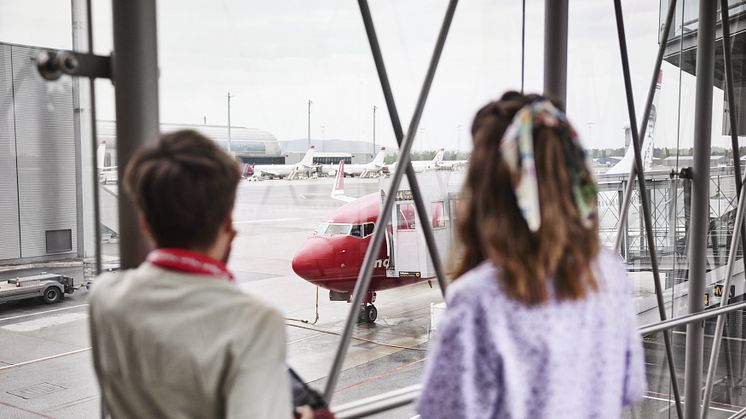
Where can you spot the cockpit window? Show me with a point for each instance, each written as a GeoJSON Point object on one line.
{"type": "Point", "coordinates": [368, 229]}
{"type": "Point", "coordinates": [332, 229]}
{"type": "Point", "coordinates": [362, 230]}
{"type": "Point", "coordinates": [322, 228]}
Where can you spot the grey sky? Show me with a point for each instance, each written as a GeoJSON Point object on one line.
{"type": "Point", "coordinates": [274, 56]}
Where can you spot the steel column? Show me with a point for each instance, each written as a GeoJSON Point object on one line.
{"type": "Point", "coordinates": [636, 144]}
{"type": "Point", "coordinates": [94, 141]}
{"type": "Point", "coordinates": [135, 64]}
{"type": "Point", "coordinates": [700, 202]}
{"type": "Point", "coordinates": [403, 161]}
{"type": "Point", "coordinates": [555, 49]}
{"type": "Point", "coordinates": [738, 226]}
{"type": "Point", "coordinates": [388, 95]}
{"type": "Point", "coordinates": [717, 340]}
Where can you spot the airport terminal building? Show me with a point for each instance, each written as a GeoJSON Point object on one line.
{"type": "Point", "coordinates": [43, 176]}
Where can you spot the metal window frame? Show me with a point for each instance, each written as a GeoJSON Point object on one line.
{"type": "Point", "coordinates": [638, 169]}
{"type": "Point", "coordinates": [135, 64]}
{"type": "Point", "coordinates": [403, 164]}
{"type": "Point", "coordinates": [407, 395]}
{"type": "Point", "coordinates": [738, 223]}
{"type": "Point", "coordinates": [700, 204]}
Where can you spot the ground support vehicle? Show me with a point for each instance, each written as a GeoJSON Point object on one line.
{"type": "Point", "coordinates": [50, 287]}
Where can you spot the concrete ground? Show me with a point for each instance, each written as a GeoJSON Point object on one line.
{"type": "Point", "coordinates": [45, 359]}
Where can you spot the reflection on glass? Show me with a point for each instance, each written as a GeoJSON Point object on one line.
{"type": "Point", "coordinates": [437, 218]}
{"type": "Point", "coordinates": [405, 215]}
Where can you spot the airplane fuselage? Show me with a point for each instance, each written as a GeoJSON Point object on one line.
{"type": "Point", "coordinates": [333, 256]}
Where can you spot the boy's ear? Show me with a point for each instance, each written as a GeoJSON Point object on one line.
{"type": "Point", "coordinates": [228, 224]}
{"type": "Point", "coordinates": [144, 228]}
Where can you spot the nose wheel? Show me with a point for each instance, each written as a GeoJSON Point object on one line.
{"type": "Point", "coordinates": [368, 313]}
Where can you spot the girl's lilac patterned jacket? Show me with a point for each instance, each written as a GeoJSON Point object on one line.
{"type": "Point", "coordinates": [494, 357]}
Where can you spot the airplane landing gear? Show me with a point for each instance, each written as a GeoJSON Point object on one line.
{"type": "Point", "coordinates": [368, 313]}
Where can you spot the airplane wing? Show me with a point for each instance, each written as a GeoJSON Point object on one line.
{"type": "Point", "coordinates": [276, 170]}
{"type": "Point", "coordinates": [338, 190]}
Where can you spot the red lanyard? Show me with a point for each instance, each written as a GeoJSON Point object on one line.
{"type": "Point", "coordinates": [186, 261]}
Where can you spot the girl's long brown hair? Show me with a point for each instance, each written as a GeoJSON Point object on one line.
{"type": "Point", "coordinates": [490, 227]}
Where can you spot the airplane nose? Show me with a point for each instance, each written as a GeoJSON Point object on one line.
{"type": "Point", "coordinates": [313, 259]}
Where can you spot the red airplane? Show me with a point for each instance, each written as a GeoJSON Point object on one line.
{"type": "Point", "coordinates": [331, 258]}
{"type": "Point", "coordinates": [248, 170]}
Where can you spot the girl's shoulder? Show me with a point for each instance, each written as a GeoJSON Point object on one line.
{"type": "Point", "coordinates": [477, 283]}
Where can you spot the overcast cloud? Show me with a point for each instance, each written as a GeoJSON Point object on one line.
{"type": "Point", "coordinates": [274, 56]}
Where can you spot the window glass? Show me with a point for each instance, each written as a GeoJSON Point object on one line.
{"type": "Point", "coordinates": [333, 229]}
{"type": "Point", "coordinates": [322, 228]}
{"type": "Point", "coordinates": [357, 231]}
{"type": "Point", "coordinates": [438, 218]}
{"type": "Point", "coordinates": [405, 216]}
{"type": "Point", "coordinates": [368, 229]}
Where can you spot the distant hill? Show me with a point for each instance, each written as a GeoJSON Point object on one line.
{"type": "Point", "coordinates": [342, 146]}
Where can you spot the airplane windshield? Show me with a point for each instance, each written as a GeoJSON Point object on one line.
{"type": "Point", "coordinates": [321, 229]}
{"type": "Point", "coordinates": [332, 229]}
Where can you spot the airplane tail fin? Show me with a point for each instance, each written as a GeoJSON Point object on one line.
{"type": "Point", "coordinates": [378, 160]}
{"type": "Point", "coordinates": [101, 155]}
{"type": "Point", "coordinates": [439, 157]}
{"type": "Point", "coordinates": [338, 190]}
{"type": "Point", "coordinates": [248, 170]}
{"type": "Point", "coordinates": [308, 158]}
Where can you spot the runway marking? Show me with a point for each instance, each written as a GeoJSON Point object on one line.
{"type": "Point", "coordinates": [306, 338]}
{"type": "Point", "coordinates": [266, 220]}
{"type": "Point", "coordinates": [379, 376]}
{"type": "Point", "coordinates": [26, 410]}
{"type": "Point", "coordinates": [37, 324]}
{"type": "Point", "coordinates": [20, 316]}
{"type": "Point", "coordinates": [46, 358]}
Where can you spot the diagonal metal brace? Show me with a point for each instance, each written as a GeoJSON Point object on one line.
{"type": "Point", "coordinates": [427, 230]}
{"type": "Point", "coordinates": [53, 64]}
{"type": "Point", "coordinates": [403, 161]}
{"type": "Point", "coordinates": [636, 143]}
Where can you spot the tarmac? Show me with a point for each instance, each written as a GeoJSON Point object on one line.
{"type": "Point", "coordinates": [45, 357]}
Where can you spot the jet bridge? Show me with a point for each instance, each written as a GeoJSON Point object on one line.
{"type": "Point", "coordinates": [408, 255]}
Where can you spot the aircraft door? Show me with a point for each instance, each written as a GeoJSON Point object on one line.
{"type": "Point", "coordinates": [407, 252]}
{"type": "Point", "coordinates": [440, 224]}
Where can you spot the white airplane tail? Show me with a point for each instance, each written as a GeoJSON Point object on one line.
{"type": "Point", "coordinates": [439, 157]}
{"type": "Point", "coordinates": [101, 155]}
{"type": "Point", "coordinates": [308, 158]}
{"type": "Point", "coordinates": [378, 160]}
{"type": "Point", "coordinates": [648, 145]}
{"type": "Point", "coordinates": [338, 190]}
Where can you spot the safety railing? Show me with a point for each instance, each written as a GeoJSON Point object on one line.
{"type": "Point", "coordinates": [407, 395]}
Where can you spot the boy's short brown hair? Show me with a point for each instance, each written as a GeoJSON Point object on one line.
{"type": "Point", "coordinates": [185, 187]}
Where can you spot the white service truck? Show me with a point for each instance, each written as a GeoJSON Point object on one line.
{"type": "Point", "coordinates": [50, 287]}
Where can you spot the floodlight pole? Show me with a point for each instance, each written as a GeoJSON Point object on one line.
{"type": "Point", "coordinates": [309, 123]}
{"type": "Point", "coordinates": [458, 141]}
{"type": "Point", "coordinates": [230, 146]}
{"type": "Point", "coordinates": [374, 129]}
